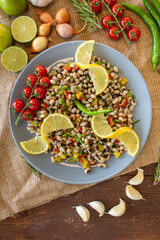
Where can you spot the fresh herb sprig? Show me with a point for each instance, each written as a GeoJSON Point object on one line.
{"type": "Point", "coordinates": [157, 174]}
{"type": "Point", "coordinates": [86, 13]}
{"type": "Point", "coordinates": [36, 172]}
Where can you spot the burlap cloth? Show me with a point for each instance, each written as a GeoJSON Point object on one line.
{"type": "Point", "coordinates": [20, 188]}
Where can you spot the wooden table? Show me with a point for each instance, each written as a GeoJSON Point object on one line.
{"type": "Point", "coordinates": [59, 221]}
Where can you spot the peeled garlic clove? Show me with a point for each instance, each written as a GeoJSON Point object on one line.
{"type": "Point", "coordinates": [98, 206]}
{"type": "Point", "coordinates": [118, 210]}
{"type": "Point", "coordinates": [138, 179]}
{"type": "Point", "coordinates": [83, 213]}
{"type": "Point", "coordinates": [132, 193]}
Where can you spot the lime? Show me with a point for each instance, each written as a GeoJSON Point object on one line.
{"type": "Point", "coordinates": [35, 145]}
{"type": "Point", "coordinates": [24, 29]}
{"type": "Point", "coordinates": [5, 37]}
{"type": "Point", "coordinates": [14, 59]}
{"type": "Point", "coordinates": [12, 8]}
{"type": "Point", "coordinates": [100, 126]}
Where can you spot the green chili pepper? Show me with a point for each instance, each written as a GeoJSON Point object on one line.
{"type": "Point", "coordinates": [154, 30]}
{"type": "Point", "coordinates": [152, 11]}
{"type": "Point", "coordinates": [90, 113]}
{"type": "Point", "coordinates": [156, 4]}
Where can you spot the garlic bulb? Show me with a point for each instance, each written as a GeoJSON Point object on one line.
{"type": "Point", "coordinates": [98, 206]}
{"type": "Point", "coordinates": [118, 210]}
{"type": "Point", "coordinates": [138, 179]}
{"type": "Point", "coordinates": [83, 213]}
{"type": "Point", "coordinates": [40, 3]}
{"type": "Point", "coordinates": [132, 193]}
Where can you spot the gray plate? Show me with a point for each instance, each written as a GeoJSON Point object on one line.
{"type": "Point", "coordinates": [143, 111]}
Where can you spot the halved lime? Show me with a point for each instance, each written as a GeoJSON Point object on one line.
{"type": "Point", "coordinates": [24, 29]}
{"type": "Point", "coordinates": [14, 59]}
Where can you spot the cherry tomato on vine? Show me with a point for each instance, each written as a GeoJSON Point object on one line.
{"type": "Point", "coordinates": [108, 22]}
{"type": "Point", "coordinates": [96, 5]}
{"type": "Point", "coordinates": [28, 115]}
{"type": "Point", "coordinates": [134, 34]}
{"type": "Point", "coordinates": [45, 82]}
{"type": "Point", "coordinates": [34, 104]}
{"type": "Point", "coordinates": [27, 92]}
{"type": "Point", "coordinates": [114, 32]}
{"type": "Point", "coordinates": [41, 71]}
{"type": "Point", "coordinates": [126, 23]}
{"type": "Point", "coordinates": [18, 105]}
{"type": "Point", "coordinates": [110, 2]}
{"type": "Point", "coordinates": [40, 92]}
{"type": "Point", "coordinates": [118, 9]}
{"type": "Point", "coordinates": [32, 79]}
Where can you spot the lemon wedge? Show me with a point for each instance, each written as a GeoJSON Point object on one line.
{"type": "Point", "coordinates": [35, 145]}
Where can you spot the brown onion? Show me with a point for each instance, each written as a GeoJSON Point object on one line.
{"type": "Point", "coordinates": [38, 45]}
{"type": "Point", "coordinates": [44, 17]}
{"type": "Point", "coordinates": [44, 29]}
{"type": "Point", "coordinates": [62, 16]}
{"type": "Point", "coordinates": [65, 30]}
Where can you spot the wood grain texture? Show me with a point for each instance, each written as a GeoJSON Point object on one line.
{"type": "Point", "coordinates": [59, 221]}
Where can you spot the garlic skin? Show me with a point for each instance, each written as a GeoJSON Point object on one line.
{"type": "Point", "coordinates": [138, 179]}
{"type": "Point", "coordinates": [132, 193]}
{"type": "Point", "coordinates": [118, 210]}
{"type": "Point", "coordinates": [83, 213]}
{"type": "Point", "coordinates": [98, 206]}
{"type": "Point", "coordinates": [40, 3]}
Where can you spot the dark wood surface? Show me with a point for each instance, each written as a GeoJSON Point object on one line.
{"type": "Point", "coordinates": [58, 220]}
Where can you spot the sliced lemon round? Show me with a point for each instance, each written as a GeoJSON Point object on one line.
{"type": "Point", "coordinates": [129, 138]}
{"type": "Point", "coordinates": [24, 29]}
{"type": "Point", "coordinates": [100, 126]}
{"type": "Point", "coordinates": [35, 145]}
{"type": "Point", "coordinates": [84, 52]}
{"type": "Point", "coordinates": [55, 122]}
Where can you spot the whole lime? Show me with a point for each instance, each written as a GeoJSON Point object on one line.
{"type": "Point", "coordinates": [13, 7]}
{"type": "Point", "coordinates": [5, 37]}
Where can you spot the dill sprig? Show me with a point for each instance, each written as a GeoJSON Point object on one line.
{"type": "Point", "coordinates": [86, 13]}
{"type": "Point", "coordinates": [157, 174]}
{"type": "Point", "coordinates": [36, 172]}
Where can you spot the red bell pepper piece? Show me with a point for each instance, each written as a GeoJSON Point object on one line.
{"type": "Point", "coordinates": [110, 121]}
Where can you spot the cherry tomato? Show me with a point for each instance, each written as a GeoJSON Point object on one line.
{"type": "Point", "coordinates": [45, 82]}
{"type": "Point", "coordinates": [41, 71]}
{"type": "Point", "coordinates": [134, 34]}
{"type": "Point", "coordinates": [107, 22]}
{"type": "Point", "coordinates": [35, 104]}
{"type": "Point", "coordinates": [40, 92]}
{"type": "Point", "coordinates": [114, 32]}
{"type": "Point", "coordinates": [110, 2]}
{"type": "Point", "coordinates": [96, 5]}
{"type": "Point", "coordinates": [28, 115]}
{"type": "Point", "coordinates": [32, 79]}
{"type": "Point", "coordinates": [126, 23]}
{"type": "Point", "coordinates": [18, 105]}
{"type": "Point", "coordinates": [27, 92]}
{"type": "Point", "coordinates": [118, 9]}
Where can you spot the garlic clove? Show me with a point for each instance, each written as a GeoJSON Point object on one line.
{"type": "Point", "coordinates": [83, 213]}
{"type": "Point", "coordinates": [138, 179]}
{"type": "Point", "coordinates": [132, 193]}
{"type": "Point", "coordinates": [98, 206]}
{"type": "Point", "coordinates": [118, 210]}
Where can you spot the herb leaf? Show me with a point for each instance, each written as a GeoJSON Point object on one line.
{"type": "Point", "coordinates": [157, 174]}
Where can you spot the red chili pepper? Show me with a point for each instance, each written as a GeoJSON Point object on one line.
{"type": "Point", "coordinates": [39, 123]}
{"type": "Point", "coordinates": [127, 97]}
{"type": "Point", "coordinates": [110, 121]}
{"type": "Point", "coordinates": [68, 68]}
{"type": "Point", "coordinates": [116, 141]}
{"type": "Point", "coordinates": [77, 67]}
{"type": "Point", "coordinates": [54, 138]}
{"type": "Point", "coordinates": [80, 129]}
{"type": "Point", "coordinates": [55, 151]}
{"type": "Point", "coordinates": [81, 157]}
{"type": "Point", "coordinates": [110, 77]}
{"type": "Point", "coordinates": [117, 105]}
{"type": "Point", "coordinates": [66, 96]}
{"type": "Point", "coordinates": [71, 139]}
{"type": "Point", "coordinates": [95, 163]}
{"type": "Point", "coordinates": [62, 107]}
{"type": "Point", "coordinates": [125, 103]}
{"type": "Point", "coordinates": [81, 98]}
{"type": "Point", "coordinates": [45, 106]}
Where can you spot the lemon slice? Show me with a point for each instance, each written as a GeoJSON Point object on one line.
{"type": "Point", "coordinates": [100, 126]}
{"type": "Point", "coordinates": [55, 122]}
{"type": "Point", "coordinates": [129, 138]}
{"type": "Point", "coordinates": [24, 29]}
{"type": "Point", "coordinates": [35, 145]}
{"type": "Point", "coordinates": [84, 52]}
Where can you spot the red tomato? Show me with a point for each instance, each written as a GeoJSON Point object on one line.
{"type": "Point", "coordinates": [126, 23]}
{"type": "Point", "coordinates": [27, 92]}
{"type": "Point", "coordinates": [41, 71]}
{"type": "Point", "coordinates": [110, 2]}
{"type": "Point", "coordinates": [18, 105]}
{"type": "Point", "coordinates": [35, 104]}
{"type": "Point", "coordinates": [108, 22]}
{"type": "Point", "coordinates": [32, 79]}
{"type": "Point", "coordinates": [28, 115]}
{"type": "Point", "coordinates": [45, 82]}
{"type": "Point", "coordinates": [77, 67]}
{"type": "Point", "coordinates": [114, 32]}
{"type": "Point", "coordinates": [96, 5]}
{"type": "Point", "coordinates": [40, 92]}
{"type": "Point", "coordinates": [118, 9]}
{"type": "Point", "coordinates": [134, 34]}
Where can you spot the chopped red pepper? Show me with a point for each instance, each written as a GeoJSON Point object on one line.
{"type": "Point", "coordinates": [125, 103]}
{"type": "Point", "coordinates": [80, 129]}
{"type": "Point", "coordinates": [77, 67]}
{"type": "Point", "coordinates": [68, 68]}
{"type": "Point", "coordinates": [110, 121]}
{"type": "Point", "coordinates": [110, 77]}
{"type": "Point", "coordinates": [71, 139]}
{"type": "Point", "coordinates": [71, 144]}
{"type": "Point", "coordinates": [116, 141]}
{"type": "Point", "coordinates": [45, 106]}
{"type": "Point", "coordinates": [39, 123]}
{"type": "Point", "coordinates": [127, 97]}
{"type": "Point", "coordinates": [66, 96]}
{"type": "Point", "coordinates": [81, 158]}
{"type": "Point", "coordinates": [54, 138]}
{"type": "Point", "coordinates": [81, 98]}
{"type": "Point", "coordinates": [62, 107]}
{"type": "Point", "coordinates": [55, 151]}
{"type": "Point", "coordinates": [117, 105]}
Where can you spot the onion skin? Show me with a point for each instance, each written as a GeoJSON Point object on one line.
{"type": "Point", "coordinates": [65, 30]}
{"type": "Point", "coordinates": [39, 44]}
{"type": "Point", "coordinates": [62, 16]}
{"type": "Point", "coordinates": [44, 29]}
{"type": "Point", "coordinates": [44, 16]}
